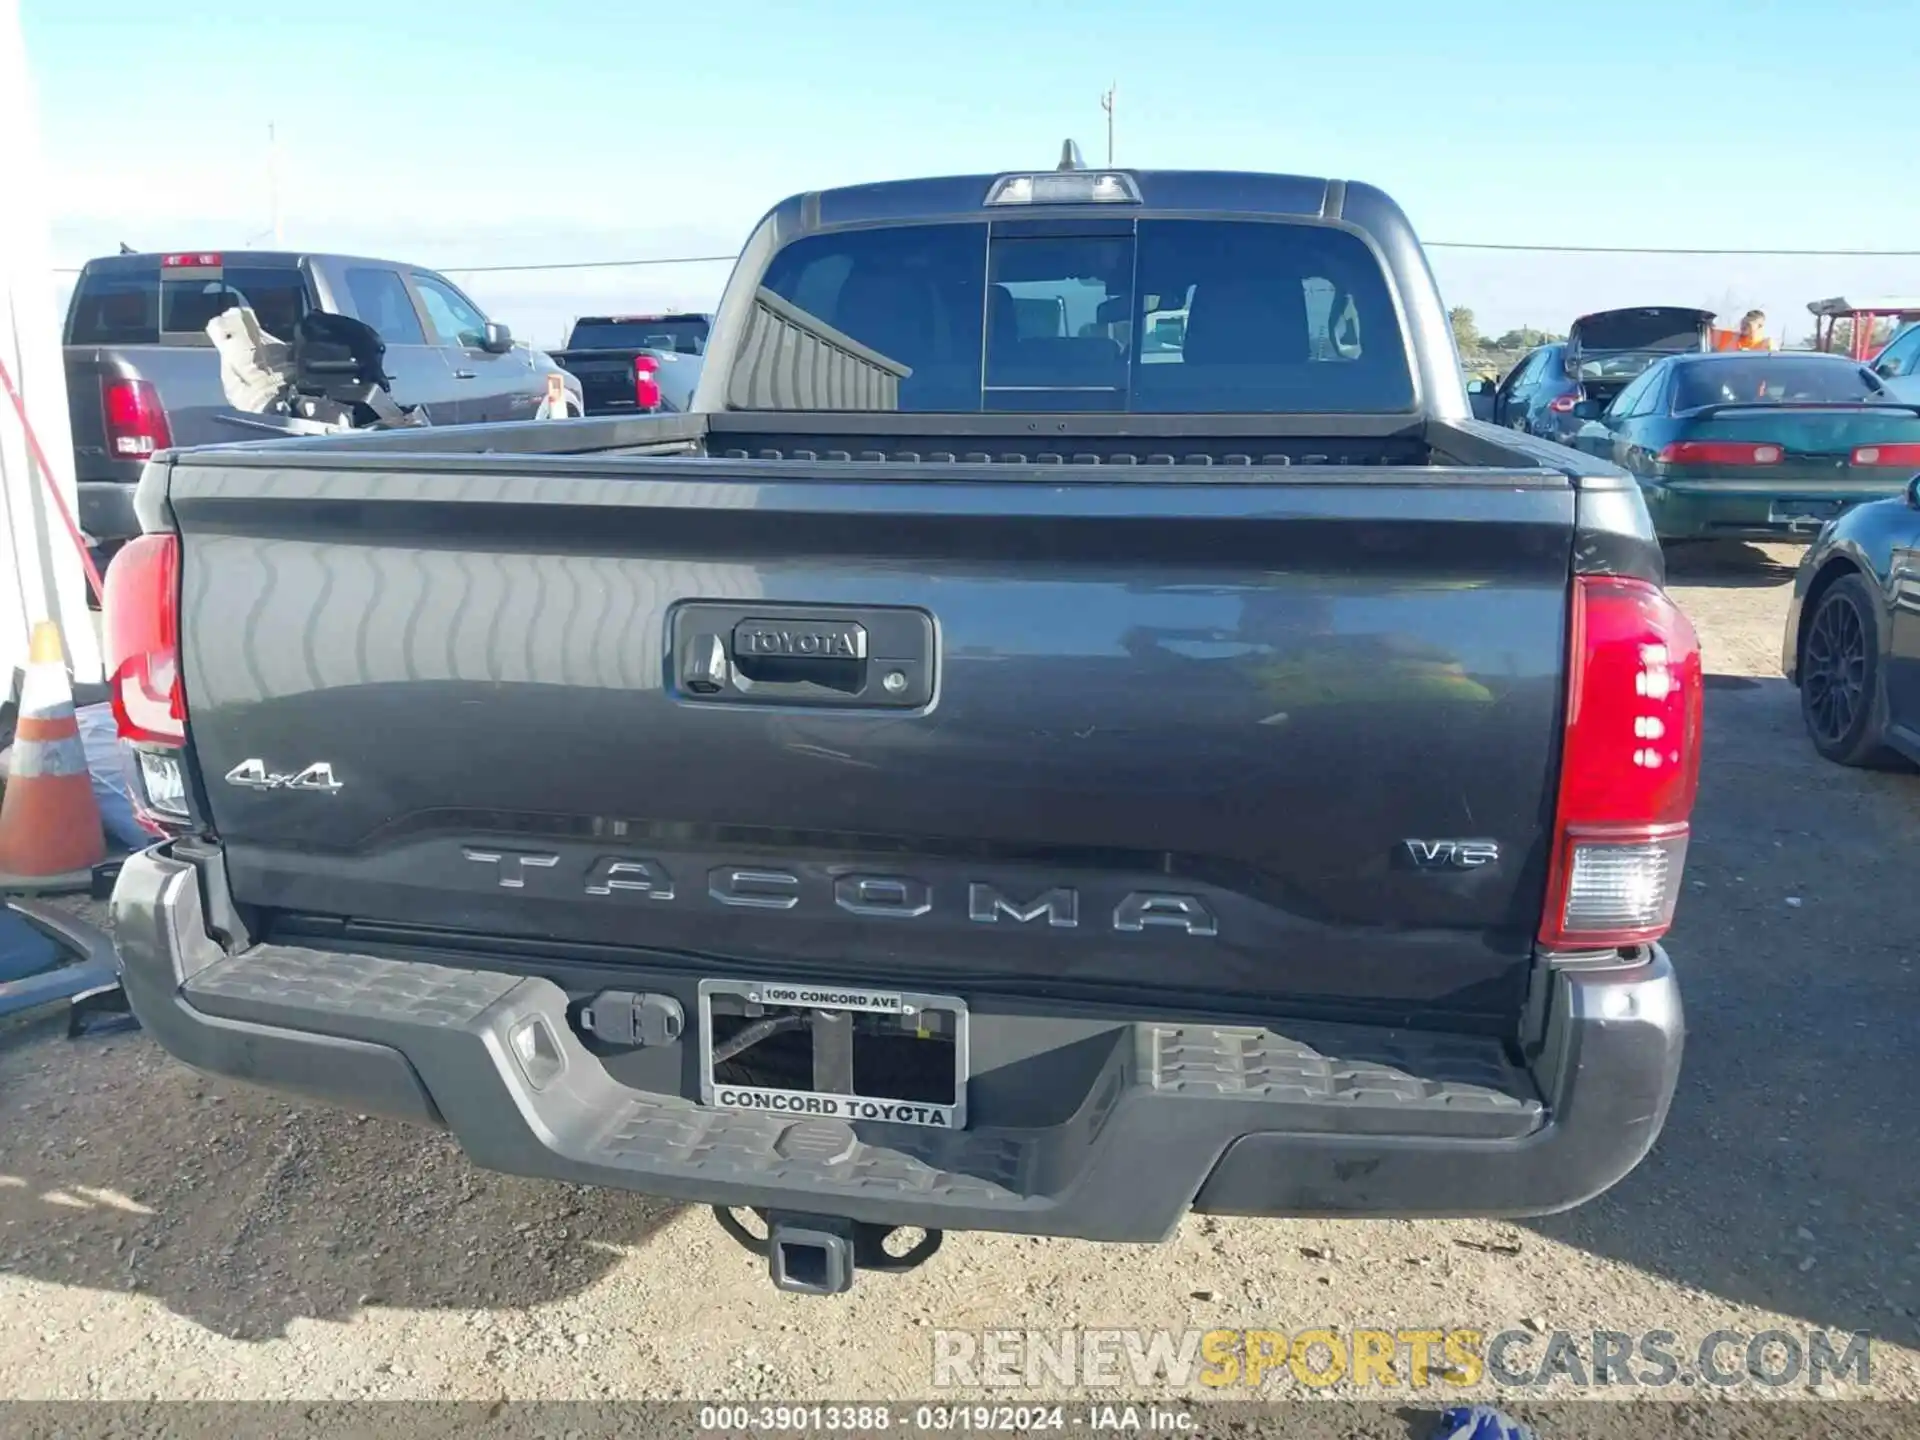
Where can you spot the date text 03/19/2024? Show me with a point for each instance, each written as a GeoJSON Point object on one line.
{"type": "Point", "coordinates": [945, 1419]}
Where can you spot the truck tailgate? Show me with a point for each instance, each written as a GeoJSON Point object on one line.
{"type": "Point", "coordinates": [606, 377]}
{"type": "Point", "coordinates": [1262, 741]}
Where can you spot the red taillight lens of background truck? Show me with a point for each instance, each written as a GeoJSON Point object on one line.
{"type": "Point", "coordinates": [141, 630]}
{"type": "Point", "coordinates": [1629, 768]}
{"type": "Point", "coordinates": [646, 382]}
{"type": "Point", "coordinates": [136, 420]}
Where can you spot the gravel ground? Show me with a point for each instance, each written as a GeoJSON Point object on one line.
{"type": "Point", "coordinates": [166, 1236]}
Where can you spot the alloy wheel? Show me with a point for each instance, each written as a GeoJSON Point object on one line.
{"type": "Point", "coordinates": [1835, 683]}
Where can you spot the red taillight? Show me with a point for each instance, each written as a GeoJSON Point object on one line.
{"type": "Point", "coordinates": [1719, 452]}
{"type": "Point", "coordinates": [646, 382]}
{"type": "Point", "coordinates": [1904, 457]}
{"type": "Point", "coordinates": [136, 420]}
{"type": "Point", "coordinates": [1629, 769]}
{"type": "Point", "coordinates": [140, 628]}
{"type": "Point", "coordinates": [201, 260]}
{"type": "Point", "coordinates": [1563, 404]}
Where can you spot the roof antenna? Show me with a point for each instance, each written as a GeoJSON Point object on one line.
{"type": "Point", "coordinates": [1070, 157]}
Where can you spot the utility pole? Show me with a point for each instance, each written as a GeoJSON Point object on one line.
{"type": "Point", "coordinates": [1107, 102]}
{"type": "Point", "coordinates": [273, 184]}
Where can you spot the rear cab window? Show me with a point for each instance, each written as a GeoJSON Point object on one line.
{"type": "Point", "coordinates": [115, 307]}
{"type": "Point", "coordinates": [679, 334]}
{"type": "Point", "coordinates": [276, 293]}
{"type": "Point", "coordinates": [144, 304]}
{"type": "Point", "coordinates": [1166, 316]}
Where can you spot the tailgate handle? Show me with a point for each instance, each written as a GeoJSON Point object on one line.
{"type": "Point", "coordinates": [822, 652]}
{"type": "Point", "coordinates": [816, 656]}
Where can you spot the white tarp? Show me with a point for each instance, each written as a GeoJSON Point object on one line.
{"type": "Point", "coordinates": [41, 576]}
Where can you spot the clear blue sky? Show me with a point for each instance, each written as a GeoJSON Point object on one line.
{"type": "Point", "coordinates": [458, 134]}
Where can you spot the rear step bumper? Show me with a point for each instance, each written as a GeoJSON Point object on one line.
{"type": "Point", "coordinates": [1178, 1116]}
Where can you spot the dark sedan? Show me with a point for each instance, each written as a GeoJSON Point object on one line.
{"type": "Point", "coordinates": [1755, 444]}
{"type": "Point", "coordinates": [1852, 644]}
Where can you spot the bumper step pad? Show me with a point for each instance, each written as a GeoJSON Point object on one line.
{"type": "Point", "coordinates": [1166, 1086]}
{"type": "Point", "coordinates": [1165, 1116]}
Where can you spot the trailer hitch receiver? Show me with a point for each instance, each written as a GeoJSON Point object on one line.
{"type": "Point", "coordinates": [818, 1254]}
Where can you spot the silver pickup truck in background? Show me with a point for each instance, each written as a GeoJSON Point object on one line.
{"type": "Point", "coordinates": [142, 374]}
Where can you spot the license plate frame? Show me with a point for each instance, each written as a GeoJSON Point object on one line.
{"type": "Point", "coordinates": [1804, 512]}
{"type": "Point", "coordinates": [809, 1104]}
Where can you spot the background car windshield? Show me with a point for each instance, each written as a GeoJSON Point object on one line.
{"type": "Point", "coordinates": [682, 336]}
{"type": "Point", "coordinates": [1166, 316]}
{"type": "Point", "coordinates": [1776, 378]}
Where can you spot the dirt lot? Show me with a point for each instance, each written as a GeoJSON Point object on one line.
{"type": "Point", "coordinates": [164, 1236]}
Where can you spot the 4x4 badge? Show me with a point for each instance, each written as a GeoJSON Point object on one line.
{"type": "Point", "coordinates": [254, 775]}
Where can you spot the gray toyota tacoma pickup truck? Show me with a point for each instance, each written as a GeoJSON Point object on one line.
{"type": "Point", "coordinates": [970, 772]}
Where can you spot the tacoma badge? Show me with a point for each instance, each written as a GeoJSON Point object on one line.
{"type": "Point", "coordinates": [881, 897]}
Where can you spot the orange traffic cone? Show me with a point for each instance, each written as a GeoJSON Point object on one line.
{"type": "Point", "coordinates": [50, 834]}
